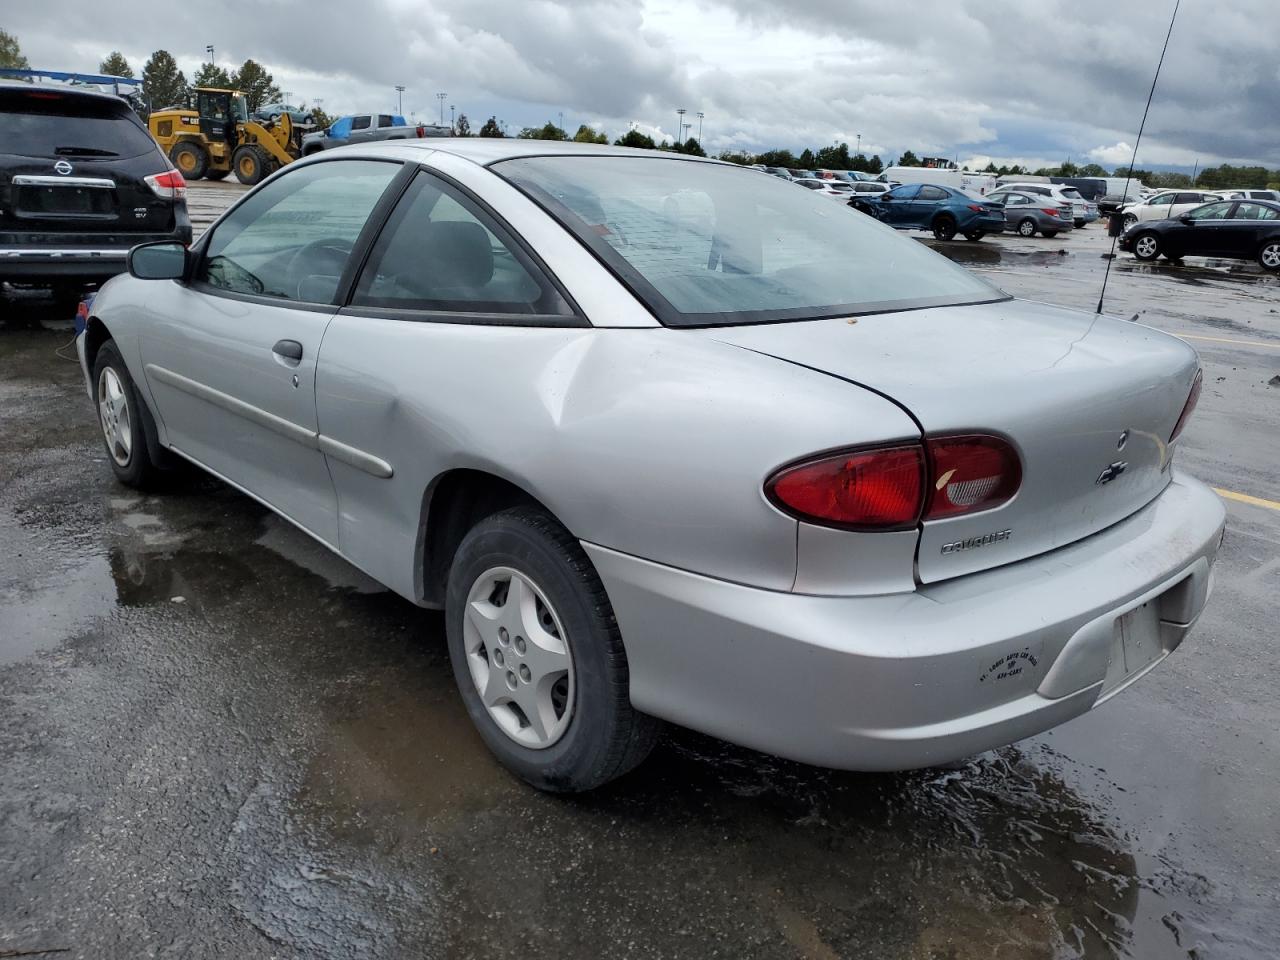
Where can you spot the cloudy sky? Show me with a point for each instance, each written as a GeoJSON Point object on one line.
{"type": "Point", "coordinates": [1035, 83]}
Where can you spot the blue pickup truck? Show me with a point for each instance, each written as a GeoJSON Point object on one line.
{"type": "Point", "coordinates": [366, 128]}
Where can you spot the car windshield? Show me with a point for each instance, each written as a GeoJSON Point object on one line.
{"type": "Point", "coordinates": [706, 243]}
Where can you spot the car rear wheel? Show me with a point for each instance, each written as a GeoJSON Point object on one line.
{"type": "Point", "coordinates": [975, 235]}
{"type": "Point", "coordinates": [191, 159]}
{"type": "Point", "coordinates": [944, 227]}
{"type": "Point", "coordinates": [1049, 234]}
{"type": "Point", "coordinates": [250, 164]}
{"type": "Point", "coordinates": [1027, 227]}
{"type": "Point", "coordinates": [120, 415]}
{"type": "Point", "coordinates": [1269, 255]}
{"type": "Point", "coordinates": [1146, 246]}
{"type": "Point", "coordinates": [537, 655]}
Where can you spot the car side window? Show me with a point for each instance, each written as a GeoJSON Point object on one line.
{"type": "Point", "coordinates": [384, 120]}
{"type": "Point", "coordinates": [1161, 198]}
{"type": "Point", "coordinates": [360, 123]}
{"type": "Point", "coordinates": [907, 192]}
{"type": "Point", "coordinates": [441, 252]}
{"type": "Point", "coordinates": [1255, 211]}
{"type": "Point", "coordinates": [930, 192]}
{"type": "Point", "coordinates": [292, 238]}
{"type": "Point", "coordinates": [1192, 198]}
{"type": "Point", "coordinates": [1214, 211]}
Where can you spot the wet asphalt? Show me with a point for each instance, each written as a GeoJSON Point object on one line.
{"type": "Point", "coordinates": [217, 740]}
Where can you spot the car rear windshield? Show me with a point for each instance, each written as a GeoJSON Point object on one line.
{"type": "Point", "coordinates": [706, 244]}
{"type": "Point", "coordinates": [40, 124]}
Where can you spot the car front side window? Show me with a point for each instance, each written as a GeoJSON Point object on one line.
{"type": "Point", "coordinates": [292, 238]}
{"type": "Point", "coordinates": [932, 193]}
{"type": "Point", "coordinates": [1214, 211]}
{"type": "Point", "coordinates": [440, 252]}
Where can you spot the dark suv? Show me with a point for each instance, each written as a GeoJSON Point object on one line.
{"type": "Point", "coordinates": [81, 181]}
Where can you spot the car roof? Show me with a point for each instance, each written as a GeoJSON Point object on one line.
{"type": "Point", "coordinates": [48, 90]}
{"type": "Point", "coordinates": [486, 150]}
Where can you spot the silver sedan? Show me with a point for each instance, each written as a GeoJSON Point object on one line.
{"type": "Point", "coordinates": [667, 440]}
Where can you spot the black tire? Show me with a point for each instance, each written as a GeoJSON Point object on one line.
{"type": "Point", "coordinates": [605, 736]}
{"type": "Point", "coordinates": [1269, 255]}
{"type": "Point", "coordinates": [1080, 224]}
{"type": "Point", "coordinates": [1146, 246]}
{"type": "Point", "coordinates": [191, 159]}
{"type": "Point", "coordinates": [251, 164]}
{"type": "Point", "coordinates": [1027, 227]}
{"type": "Point", "coordinates": [137, 469]}
{"type": "Point", "coordinates": [975, 235]}
{"type": "Point", "coordinates": [1049, 234]}
{"type": "Point", "coordinates": [944, 227]}
{"type": "Point", "coordinates": [217, 174]}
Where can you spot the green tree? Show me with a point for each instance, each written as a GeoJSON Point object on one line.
{"type": "Point", "coordinates": [875, 164]}
{"type": "Point", "coordinates": [588, 134]}
{"type": "Point", "coordinates": [321, 119]}
{"type": "Point", "coordinates": [491, 128]}
{"type": "Point", "coordinates": [256, 84]}
{"type": "Point", "coordinates": [1068, 169]}
{"type": "Point", "coordinates": [10, 53]}
{"type": "Point", "coordinates": [908, 159]}
{"type": "Point", "coordinates": [740, 158]}
{"type": "Point", "coordinates": [691, 147]}
{"type": "Point", "coordinates": [634, 138]}
{"type": "Point", "coordinates": [163, 84]}
{"type": "Point", "coordinates": [463, 127]}
{"type": "Point", "coordinates": [548, 131]}
{"type": "Point", "coordinates": [777, 158]}
{"type": "Point", "coordinates": [1015, 171]}
{"type": "Point", "coordinates": [835, 157]}
{"type": "Point", "coordinates": [1092, 170]}
{"type": "Point", "coordinates": [211, 75]}
{"type": "Point", "coordinates": [115, 65]}
{"type": "Point", "coordinates": [991, 167]}
{"type": "Point", "coordinates": [806, 159]}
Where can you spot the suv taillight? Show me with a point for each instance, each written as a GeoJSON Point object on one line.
{"type": "Point", "coordinates": [895, 487]}
{"type": "Point", "coordinates": [169, 185]}
{"type": "Point", "coordinates": [421, 131]}
{"type": "Point", "coordinates": [1189, 407]}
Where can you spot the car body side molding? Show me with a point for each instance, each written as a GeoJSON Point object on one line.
{"type": "Point", "coordinates": [374, 466]}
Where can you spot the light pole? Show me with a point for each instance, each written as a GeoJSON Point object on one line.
{"type": "Point", "coordinates": [700, 116]}
{"type": "Point", "coordinates": [857, 152]}
{"type": "Point", "coordinates": [680, 112]}
{"type": "Point", "coordinates": [399, 99]}
{"type": "Point", "coordinates": [209, 49]}
{"type": "Point", "coordinates": [453, 120]}
{"type": "Point", "coordinates": [441, 97]}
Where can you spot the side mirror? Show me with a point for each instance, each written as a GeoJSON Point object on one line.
{"type": "Point", "coordinates": [162, 260]}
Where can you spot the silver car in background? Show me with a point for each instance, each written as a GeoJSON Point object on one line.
{"type": "Point", "coordinates": [1028, 214]}
{"type": "Point", "coordinates": [667, 440]}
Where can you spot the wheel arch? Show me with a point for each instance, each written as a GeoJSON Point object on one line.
{"type": "Point", "coordinates": [454, 502]}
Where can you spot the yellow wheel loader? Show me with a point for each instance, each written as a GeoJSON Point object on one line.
{"type": "Point", "coordinates": [218, 138]}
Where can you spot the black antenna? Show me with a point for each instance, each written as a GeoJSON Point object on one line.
{"type": "Point", "coordinates": [1134, 159]}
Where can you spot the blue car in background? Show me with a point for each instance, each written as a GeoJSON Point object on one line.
{"type": "Point", "coordinates": [946, 211]}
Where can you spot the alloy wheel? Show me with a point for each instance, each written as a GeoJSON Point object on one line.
{"type": "Point", "coordinates": [519, 659]}
{"type": "Point", "coordinates": [1146, 248]}
{"type": "Point", "coordinates": [1027, 228]}
{"type": "Point", "coordinates": [1269, 257]}
{"type": "Point", "coordinates": [113, 410]}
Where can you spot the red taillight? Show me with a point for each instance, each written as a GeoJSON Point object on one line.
{"type": "Point", "coordinates": [1051, 211]}
{"type": "Point", "coordinates": [421, 131]}
{"type": "Point", "coordinates": [971, 474]}
{"type": "Point", "coordinates": [1192, 399]}
{"type": "Point", "coordinates": [885, 488]}
{"type": "Point", "coordinates": [976, 209]}
{"type": "Point", "coordinates": [169, 185]}
{"type": "Point", "coordinates": [863, 489]}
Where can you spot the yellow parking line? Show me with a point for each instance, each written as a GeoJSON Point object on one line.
{"type": "Point", "coordinates": [1247, 343]}
{"type": "Point", "coordinates": [1245, 498]}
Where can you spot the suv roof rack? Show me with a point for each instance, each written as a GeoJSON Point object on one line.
{"type": "Point", "coordinates": [120, 86]}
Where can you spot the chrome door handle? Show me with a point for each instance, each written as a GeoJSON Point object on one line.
{"type": "Point", "coordinates": [289, 351]}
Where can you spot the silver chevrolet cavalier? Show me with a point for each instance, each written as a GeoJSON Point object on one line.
{"type": "Point", "coordinates": [671, 441]}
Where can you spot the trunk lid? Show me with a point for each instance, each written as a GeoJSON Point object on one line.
{"type": "Point", "coordinates": [1077, 395]}
{"type": "Point", "coordinates": [73, 165]}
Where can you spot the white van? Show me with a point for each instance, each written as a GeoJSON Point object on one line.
{"type": "Point", "coordinates": [979, 183]}
{"type": "Point", "coordinates": [1116, 189]}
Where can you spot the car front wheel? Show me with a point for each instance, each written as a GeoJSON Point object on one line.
{"type": "Point", "coordinates": [1026, 227]}
{"type": "Point", "coordinates": [120, 415]}
{"type": "Point", "coordinates": [538, 657]}
{"type": "Point", "coordinates": [1146, 246]}
{"type": "Point", "coordinates": [1269, 255]}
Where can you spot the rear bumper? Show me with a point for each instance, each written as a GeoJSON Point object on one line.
{"type": "Point", "coordinates": [910, 680]}
{"type": "Point", "coordinates": [987, 224]}
{"type": "Point", "coordinates": [34, 265]}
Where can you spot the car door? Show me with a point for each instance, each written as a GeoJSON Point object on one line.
{"type": "Point", "coordinates": [926, 203]}
{"type": "Point", "coordinates": [1186, 202]}
{"type": "Point", "coordinates": [1156, 208]}
{"type": "Point", "coordinates": [448, 309]}
{"type": "Point", "coordinates": [1243, 231]}
{"type": "Point", "coordinates": [230, 356]}
{"type": "Point", "coordinates": [894, 207]}
{"type": "Point", "coordinates": [361, 128]}
{"type": "Point", "coordinates": [1199, 232]}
